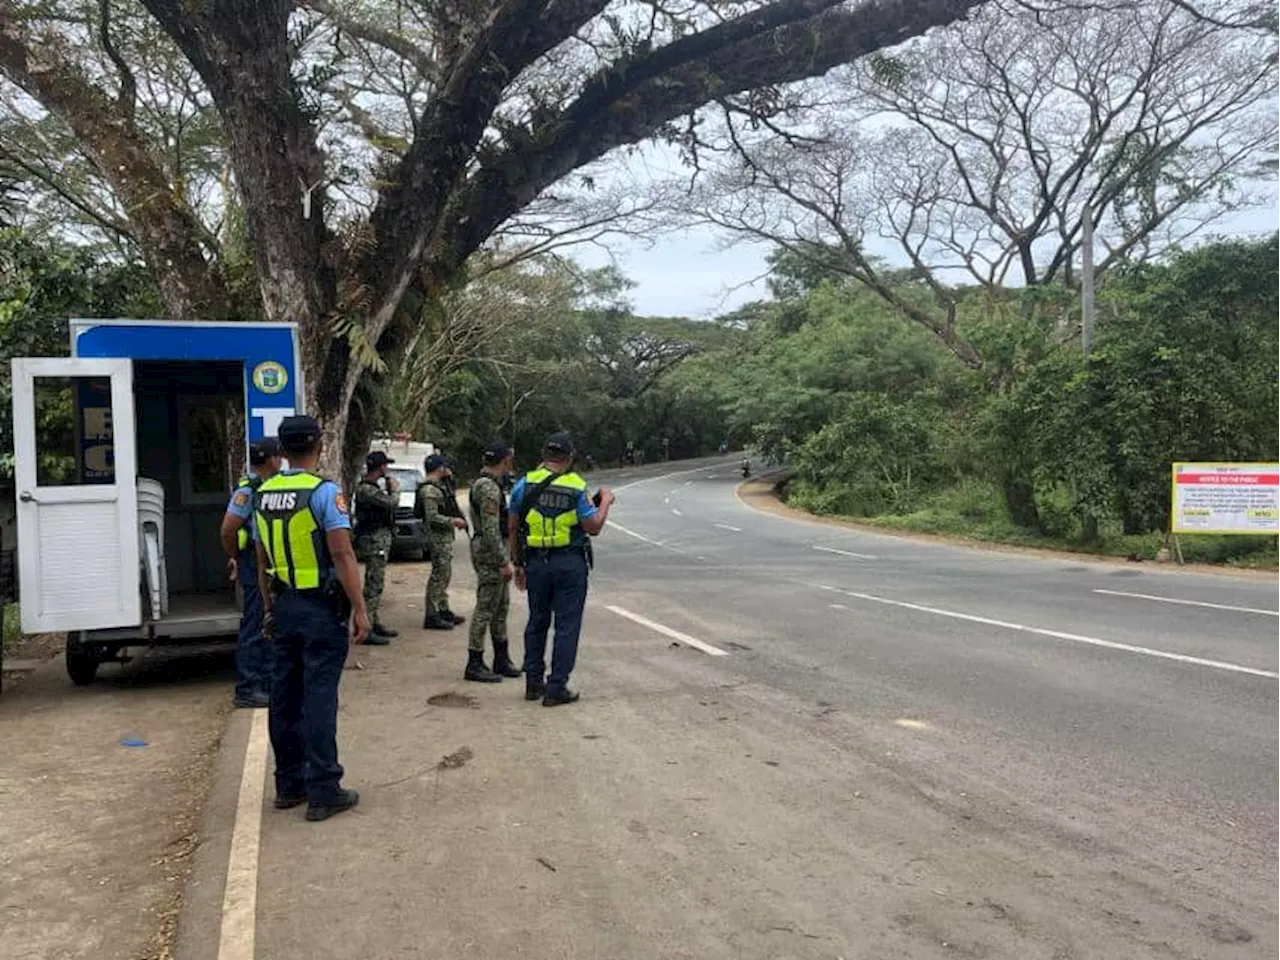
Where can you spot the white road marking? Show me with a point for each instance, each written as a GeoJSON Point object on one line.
{"type": "Point", "coordinates": [911, 724]}
{"type": "Point", "coordinates": [725, 526]}
{"type": "Point", "coordinates": [1060, 635]}
{"type": "Point", "coordinates": [668, 632]}
{"type": "Point", "coordinates": [676, 512]}
{"type": "Point", "coordinates": [688, 483]}
{"type": "Point", "coordinates": [846, 553]}
{"type": "Point", "coordinates": [1190, 603]}
{"type": "Point", "coordinates": [642, 537]}
{"type": "Point", "coordinates": [240, 897]}
{"type": "Point", "coordinates": [662, 476]}
{"type": "Point", "coordinates": [632, 533]}
{"type": "Point", "coordinates": [666, 499]}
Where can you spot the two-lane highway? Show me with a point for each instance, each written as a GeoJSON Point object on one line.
{"type": "Point", "coordinates": [796, 741]}
{"type": "Point", "coordinates": [1127, 711]}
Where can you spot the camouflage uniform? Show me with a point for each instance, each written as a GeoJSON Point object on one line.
{"type": "Point", "coordinates": [375, 526]}
{"type": "Point", "coordinates": [434, 512]}
{"type": "Point", "coordinates": [488, 556]}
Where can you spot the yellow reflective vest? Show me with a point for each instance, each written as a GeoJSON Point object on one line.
{"type": "Point", "coordinates": [289, 531]}
{"type": "Point", "coordinates": [242, 535]}
{"type": "Point", "coordinates": [550, 521]}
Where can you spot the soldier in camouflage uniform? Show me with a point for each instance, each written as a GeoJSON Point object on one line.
{"type": "Point", "coordinates": [375, 527]}
{"type": "Point", "coordinates": [492, 566]}
{"type": "Point", "coordinates": [432, 507]}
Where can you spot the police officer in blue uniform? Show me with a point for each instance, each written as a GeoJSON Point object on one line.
{"type": "Point", "coordinates": [551, 518]}
{"type": "Point", "coordinates": [253, 679]}
{"type": "Point", "coordinates": [315, 606]}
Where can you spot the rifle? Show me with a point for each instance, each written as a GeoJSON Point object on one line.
{"type": "Point", "coordinates": [451, 503]}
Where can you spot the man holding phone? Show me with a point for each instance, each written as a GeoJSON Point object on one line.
{"type": "Point", "coordinates": [551, 520]}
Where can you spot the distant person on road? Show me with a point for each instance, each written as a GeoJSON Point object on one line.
{"type": "Point", "coordinates": [311, 583]}
{"type": "Point", "coordinates": [440, 524]}
{"type": "Point", "coordinates": [552, 519]}
{"type": "Point", "coordinates": [491, 561]}
{"type": "Point", "coordinates": [253, 678]}
{"type": "Point", "coordinates": [376, 498]}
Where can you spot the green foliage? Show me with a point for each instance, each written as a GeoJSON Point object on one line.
{"type": "Point", "coordinates": [41, 285]}
{"type": "Point", "coordinates": [531, 349]}
{"type": "Point", "coordinates": [10, 625]}
{"type": "Point", "coordinates": [1040, 446]}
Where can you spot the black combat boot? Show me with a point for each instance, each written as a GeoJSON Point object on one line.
{"type": "Point", "coordinates": [384, 631]}
{"type": "Point", "coordinates": [534, 689]}
{"type": "Point", "coordinates": [502, 664]}
{"type": "Point", "coordinates": [436, 621]}
{"type": "Point", "coordinates": [340, 802]}
{"type": "Point", "coordinates": [558, 696]}
{"type": "Point", "coordinates": [450, 615]}
{"type": "Point", "coordinates": [477, 671]}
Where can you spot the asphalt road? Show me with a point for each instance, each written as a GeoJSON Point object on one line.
{"type": "Point", "coordinates": [797, 741]}
{"type": "Point", "coordinates": [1129, 709]}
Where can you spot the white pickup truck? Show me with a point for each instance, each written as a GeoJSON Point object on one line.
{"type": "Point", "coordinates": [410, 540]}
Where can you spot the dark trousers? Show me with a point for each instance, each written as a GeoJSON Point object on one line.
{"type": "Point", "coordinates": [556, 581]}
{"type": "Point", "coordinates": [308, 653]}
{"type": "Point", "coordinates": [252, 671]}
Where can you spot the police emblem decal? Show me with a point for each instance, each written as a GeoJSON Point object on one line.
{"type": "Point", "coordinates": [270, 377]}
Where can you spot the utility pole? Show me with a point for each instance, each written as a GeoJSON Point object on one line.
{"type": "Point", "coordinates": [1086, 282]}
{"type": "Point", "coordinates": [1088, 519]}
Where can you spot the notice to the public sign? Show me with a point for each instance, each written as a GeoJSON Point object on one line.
{"type": "Point", "coordinates": [1226, 498]}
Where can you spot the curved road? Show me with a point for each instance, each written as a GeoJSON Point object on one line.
{"type": "Point", "coordinates": [1127, 709]}
{"type": "Point", "coordinates": [796, 742]}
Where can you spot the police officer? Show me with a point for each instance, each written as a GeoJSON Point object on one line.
{"type": "Point", "coordinates": [432, 507]}
{"type": "Point", "coordinates": [492, 564]}
{"type": "Point", "coordinates": [253, 679]}
{"type": "Point", "coordinates": [376, 498]}
{"type": "Point", "coordinates": [551, 518]}
{"type": "Point", "coordinates": [311, 584]}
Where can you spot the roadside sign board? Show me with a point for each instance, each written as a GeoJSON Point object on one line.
{"type": "Point", "coordinates": [1226, 498]}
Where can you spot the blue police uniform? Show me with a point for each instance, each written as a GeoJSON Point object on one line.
{"type": "Point", "coordinates": [252, 676]}
{"type": "Point", "coordinates": [309, 645]}
{"type": "Point", "coordinates": [556, 573]}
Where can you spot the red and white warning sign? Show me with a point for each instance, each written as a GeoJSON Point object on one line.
{"type": "Point", "coordinates": [1226, 498]}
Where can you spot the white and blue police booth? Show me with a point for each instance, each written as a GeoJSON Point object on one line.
{"type": "Point", "coordinates": [118, 525]}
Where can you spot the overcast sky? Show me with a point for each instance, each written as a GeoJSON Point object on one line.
{"type": "Point", "coordinates": [685, 274]}
{"type": "Point", "coordinates": [693, 273]}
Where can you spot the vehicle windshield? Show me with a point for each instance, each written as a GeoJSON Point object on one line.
{"type": "Point", "coordinates": [409, 479]}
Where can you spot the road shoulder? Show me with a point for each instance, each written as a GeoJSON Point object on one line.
{"type": "Point", "coordinates": [98, 834]}
{"type": "Point", "coordinates": [759, 494]}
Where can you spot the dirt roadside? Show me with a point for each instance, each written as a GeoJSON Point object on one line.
{"type": "Point", "coordinates": [760, 494]}
{"type": "Point", "coordinates": [96, 835]}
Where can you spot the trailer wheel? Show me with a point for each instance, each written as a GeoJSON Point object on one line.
{"type": "Point", "coordinates": [82, 660]}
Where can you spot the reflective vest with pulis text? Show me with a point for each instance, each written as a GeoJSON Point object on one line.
{"type": "Point", "coordinates": [289, 532]}
{"type": "Point", "coordinates": [552, 518]}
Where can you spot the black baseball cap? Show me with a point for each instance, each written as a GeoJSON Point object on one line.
{"type": "Point", "coordinates": [559, 443]}
{"type": "Point", "coordinates": [376, 459]}
{"type": "Point", "coordinates": [260, 451]}
{"type": "Point", "coordinates": [434, 462]}
{"type": "Point", "coordinates": [299, 433]}
{"type": "Point", "coordinates": [495, 451]}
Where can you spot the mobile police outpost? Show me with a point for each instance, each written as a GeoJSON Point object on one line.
{"type": "Point", "coordinates": [122, 550]}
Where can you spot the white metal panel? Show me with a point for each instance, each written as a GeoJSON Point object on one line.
{"type": "Point", "coordinates": [77, 545]}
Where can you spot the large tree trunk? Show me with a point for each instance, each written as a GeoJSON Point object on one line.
{"type": "Point", "coordinates": [1020, 500]}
